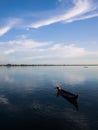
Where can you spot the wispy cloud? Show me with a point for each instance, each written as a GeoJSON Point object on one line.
{"type": "Point", "coordinates": [21, 45]}
{"type": "Point", "coordinates": [4, 30]}
{"type": "Point", "coordinates": [30, 50]}
{"type": "Point", "coordinates": [82, 9]}
{"type": "Point", "coordinates": [59, 53]}
{"type": "Point", "coordinates": [11, 22]}
{"type": "Point", "coordinates": [82, 17]}
{"type": "Point", "coordinates": [9, 51]}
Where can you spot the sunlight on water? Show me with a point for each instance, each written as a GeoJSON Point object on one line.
{"type": "Point", "coordinates": [29, 98]}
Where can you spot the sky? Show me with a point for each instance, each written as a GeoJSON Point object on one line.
{"type": "Point", "coordinates": [49, 31]}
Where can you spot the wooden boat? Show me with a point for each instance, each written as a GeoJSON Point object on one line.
{"type": "Point", "coordinates": [72, 98]}
{"type": "Point", "coordinates": [66, 93]}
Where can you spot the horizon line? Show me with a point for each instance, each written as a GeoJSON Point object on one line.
{"type": "Point", "coordinates": [48, 65]}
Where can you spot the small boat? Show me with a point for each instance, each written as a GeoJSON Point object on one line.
{"type": "Point", "coordinates": [85, 67]}
{"type": "Point", "coordinates": [66, 93]}
{"type": "Point", "coordinates": [72, 98]}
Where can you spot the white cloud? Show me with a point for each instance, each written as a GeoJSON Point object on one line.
{"type": "Point", "coordinates": [82, 17]}
{"type": "Point", "coordinates": [67, 51]}
{"type": "Point", "coordinates": [39, 49]}
{"type": "Point", "coordinates": [78, 12]}
{"type": "Point", "coordinates": [22, 46]}
{"type": "Point", "coordinates": [4, 30]}
{"type": "Point", "coordinates": [9, 51]}
{"type": "Point", "coordinates": [62, 54]}
{"type": "Point", "coordinates": [11, 22]}
{"type": "Point", "coordinates": [28, 50]}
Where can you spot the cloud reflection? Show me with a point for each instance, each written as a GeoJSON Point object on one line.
{"type": "Point", "coordinates": [4, 100]}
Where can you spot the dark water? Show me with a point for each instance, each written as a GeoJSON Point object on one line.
{"type": "Point", "coordinates": [28, 98]}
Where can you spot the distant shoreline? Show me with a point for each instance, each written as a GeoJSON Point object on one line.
{"type": "Point", "coordinates": [15, 65]}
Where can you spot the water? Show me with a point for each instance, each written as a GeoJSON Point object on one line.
{"type": "Point", "coordinates": [28, 98]}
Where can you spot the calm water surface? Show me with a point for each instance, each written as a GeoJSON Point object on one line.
{"type": "Point", "coordinates": [28, 98]}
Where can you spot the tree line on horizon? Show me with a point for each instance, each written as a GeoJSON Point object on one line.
{"type": "Point", "coordinates": [9, 65]}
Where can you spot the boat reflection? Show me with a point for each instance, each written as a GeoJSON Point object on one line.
{"type": "Point", "coordinates": [72, 98]}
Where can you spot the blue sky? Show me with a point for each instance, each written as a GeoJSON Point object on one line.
{"type": "Point", "coordinates": [49, 31]}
